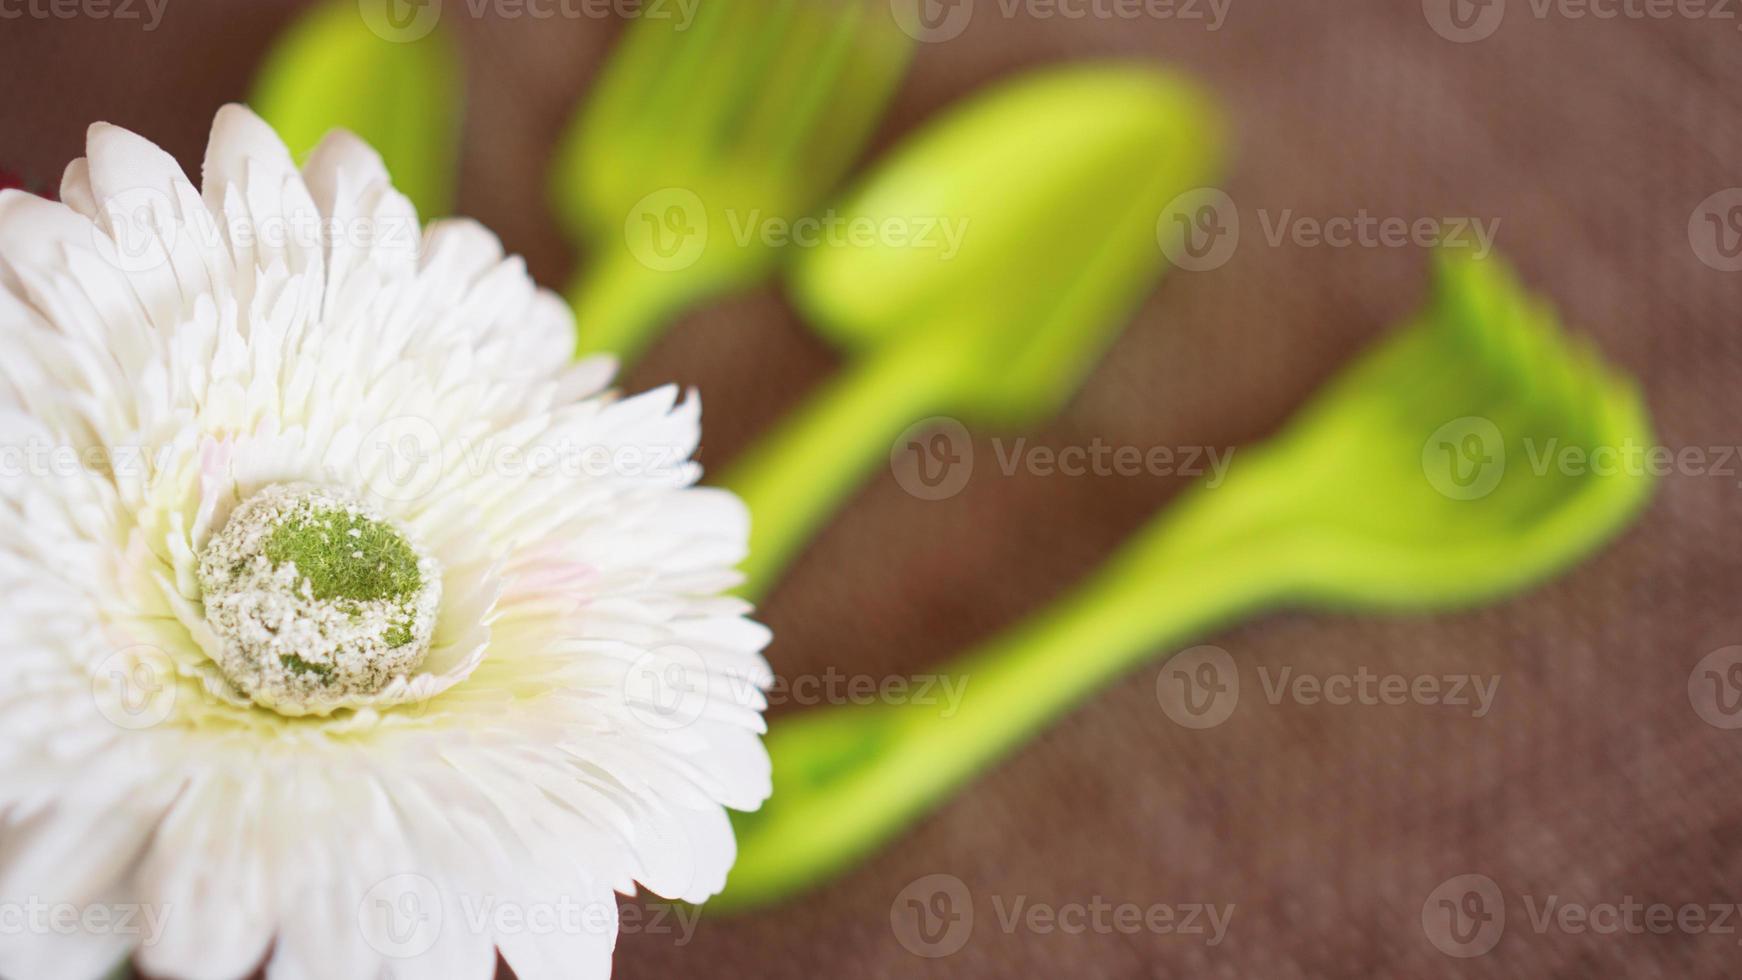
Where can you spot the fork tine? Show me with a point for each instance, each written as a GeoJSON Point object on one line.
{"type": "Point", "coordinates": [738, 76]}
{"type": "Point", "coordinates": [634, 69]}
{"type": "Point", "coordinates": [612, 164]}
{"type": "Point", "coordinates": [709, 40]}
{"type": "Point", "coordinates": [629, 70]}
{"type": "Point", "coordinates": [1555, 366]}
{"type": "Point", "coordinates": [670, 110]}
{"type": "Point", "coordinates": [1556, 378]}
{"type": "Point", "coordinates": [856, 66]}
{"type": "Point", "coordinates": [743, 86]}
{"type": "Point", "coordinates": [843, 41]}
{"type": "Point", "coordinates": [787, 75]}
{"type": "Point", "coordinates": [879, 65]}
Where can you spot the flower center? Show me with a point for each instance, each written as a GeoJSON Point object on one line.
{"type": "Point", "coordinates": [316, 599]}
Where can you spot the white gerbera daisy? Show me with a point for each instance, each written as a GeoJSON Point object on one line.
{"type": "Point", "coordinates": [350, 627]}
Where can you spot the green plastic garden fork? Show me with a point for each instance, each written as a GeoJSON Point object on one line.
{"type": "Point", "coordinates": [703, 136]}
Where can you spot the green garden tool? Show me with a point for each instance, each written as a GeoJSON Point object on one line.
{"type": "Point", "coordinates": [712, 130]}
{"type": "Point", "coordinates": [395, 82]}
{"type": "Point", "coordinates": [1002, 250]}
{"type": "Point", "coordinates": [1425, 478]}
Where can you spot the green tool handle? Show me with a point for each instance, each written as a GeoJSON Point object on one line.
{"type": "Point", "coordinates": [885, 766]}
{"type": "Point", "coordinates": [620, 303]}
{"type": "Point", "coordinates": [796, 477]}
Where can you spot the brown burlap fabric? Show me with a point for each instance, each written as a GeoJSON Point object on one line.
{"type": "Point", "coordinates": [1592, 783]}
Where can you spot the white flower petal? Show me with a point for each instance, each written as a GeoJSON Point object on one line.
{"type": "Point", "coordinates": [75, 188]}
{"type": "Point", "coordinates": [217, 820]}
{"type": "Point", "coordinates": [165, 237]}
{"type": "Point", "coordinates": [257, 195]}
{"type": "Point", "coordinates": [373, 232]}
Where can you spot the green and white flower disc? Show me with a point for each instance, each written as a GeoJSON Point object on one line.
{"type": "Point", "coordinates": [315, 596]}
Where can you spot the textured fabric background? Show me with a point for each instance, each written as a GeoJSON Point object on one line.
{"type": "Point", "coordinates": [1592, 780]}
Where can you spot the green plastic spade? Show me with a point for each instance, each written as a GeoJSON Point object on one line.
{"type": "Point", "coordinates": [1002, 250]}
{"type": "Point", "coordinates": [1414, 482]}
{"type": "Point", "coordinates": [713, 127]}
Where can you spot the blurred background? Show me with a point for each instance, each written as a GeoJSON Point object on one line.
{"type": "Point", "coordinates": [1588, 144]}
